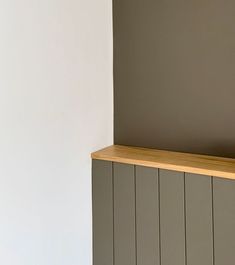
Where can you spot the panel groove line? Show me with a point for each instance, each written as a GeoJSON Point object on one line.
{"type": "Point", "coordinates": [185, 222]}
{"type": "Point", "coordinates": [102, 209]}
{"type": "Point", "coordinates": [113, 213]}
{"type": "Point", "coordinates": [199, 219]}
{"type": "Point", "coordinates": [159, 217]}
{"type": "Point", "coordinates": [147, 216]}
{"type": "Point", "coordinates": [213, 218]}
{"type": "Point", "coordinates": [136, 238]}
{"type": "Point", "coordinates": [124, 214]}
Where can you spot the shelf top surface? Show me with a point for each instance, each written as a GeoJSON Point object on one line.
{"type": "Point", "coordinates": [184, 162]}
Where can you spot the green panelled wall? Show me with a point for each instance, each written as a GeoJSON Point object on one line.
{"type": "Point", "coordinates": [146, 216]}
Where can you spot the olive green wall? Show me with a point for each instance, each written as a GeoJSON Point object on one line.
{"type": "Point", "coordinates": [174, 75]}
{"type": "Point", "coordinates": [150, 216]}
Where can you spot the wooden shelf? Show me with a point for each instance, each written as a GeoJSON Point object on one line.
{"type": "Point", "coordinates": [184, 162]}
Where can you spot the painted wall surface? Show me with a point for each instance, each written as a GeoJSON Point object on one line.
{"type": "Point", "coordinates": [144, 215]}
{"type": "Point", "coordinates": [55, 108]}
{"type": "Point", "coordinates": [174, 75]}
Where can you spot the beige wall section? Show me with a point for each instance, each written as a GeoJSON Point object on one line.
{"type": "Point", "coordinates": [174, 75]}
{"type": "Point", "coordinates": [55, 108]}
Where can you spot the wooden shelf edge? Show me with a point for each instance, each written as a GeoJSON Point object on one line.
{"type": "Point", "coordinates": [184, 162]}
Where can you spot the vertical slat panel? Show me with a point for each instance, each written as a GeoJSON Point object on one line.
{"type": "Point", "coordinates": [102, 197]}
{"type": "Point", "coordinates": [124, 215]}
{"type": "Point", "coordinates": [147, 216]}
{"type": "Point", "coordinates": [199, 228]}
{"type": "Point", "coordinates": [224, 221]}
{"type": "Point", "coordinates": [172, 218]}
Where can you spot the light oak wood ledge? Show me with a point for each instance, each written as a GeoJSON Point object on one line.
{"type": "Point", "coordinates": [184, 162]}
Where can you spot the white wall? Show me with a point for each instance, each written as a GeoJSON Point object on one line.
{"type": "Point", "coordinates": [55, 108]}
